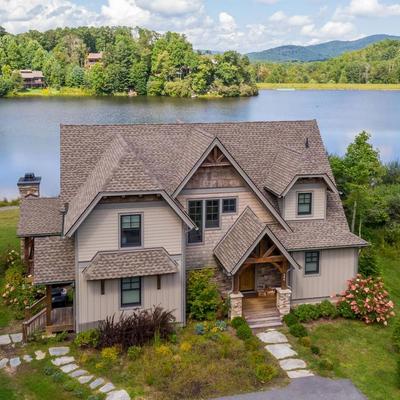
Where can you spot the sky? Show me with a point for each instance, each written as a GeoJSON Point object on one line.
{"type": "Point", "coordinates": [243, 25]}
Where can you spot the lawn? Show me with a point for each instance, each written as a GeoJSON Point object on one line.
{"type": "Point", "coordinates": [357, 351]}
{"type": "Point", "coordinates": [329, 86]}
{"type": "Point", "coordinates": [52, 92]}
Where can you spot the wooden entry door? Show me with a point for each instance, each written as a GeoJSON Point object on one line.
{"type": "Point", "coordinates": [247, 279]}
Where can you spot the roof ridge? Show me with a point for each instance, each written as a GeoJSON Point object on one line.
{"type": "Point", "coordinates": [203, 132]}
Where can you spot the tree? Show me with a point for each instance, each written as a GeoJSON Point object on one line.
{"type": "Point", "coordinates": [2, 31]}
{"type": "Point", "coordinates": [75, 76]}
{"type": "Point", "coordinates": [139, 76]}
{"type": "Point", "coordinates": [96, 79]}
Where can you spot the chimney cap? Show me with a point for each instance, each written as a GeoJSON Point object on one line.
{"type": "Point", "coordinates": [29, 179]}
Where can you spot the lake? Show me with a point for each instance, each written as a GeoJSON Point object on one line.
{"type": "Point", "coordinates": [29, 127]}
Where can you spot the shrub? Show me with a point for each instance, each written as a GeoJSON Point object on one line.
{"type": "Point", "coordinates": [179, 88]}
{"type": "Point", "coordinates": [203, 298]}
{"type": "Point", "coordinates": [155, 86]}
{"type": "Point", "coordinates": [398, 372]}
{"type": "Point", "coordinates": [238, 321]}
{"type": "Point", "coordinates": [305, 341]}
{"type": "Point", "coordinates": [368, 300]}
{"type": "Point", "coordinates": [265, 373]}
{"type": "Point", "coordinates": [307, 312]}
{"type": "Point", "coordinates": [185, 347]}
{"type": "Point", "coordinates": [69, 386]}
{"type": "Point", "coordinates": [136, 329]}
{"type": "Point", "coordinates": [244, 332]}
{"type": "Point", "coordinates": [315, 350]}
{"type": "Point", "coordinates": [89, 338]}
{"type": "Point", "coordinates": [298, 330]}
{"type": "Point", "coordinates": [326, 364]}
{"type": "Point", "coordinates": [344, 310]}
{"type": "Point", "coordinates": [327, 309]}
{"type": "Point", "coordinates": [109, 355]}
{"type": "Point", "coordinates": [368, 264]}
{"type": "Point", "coordinates": [134, 352]}
{"type": "Point", "coordinates": [396, 335]}
{"type": "Point", "coordinates": [290, 319]}
{"type": "Point", "coordinates": [199, 329]}
{"type": "Point", "coordinates": [221, 325]}
{"type": "Point", "coordinates": [163, 350]}
{"type": "Point", "coordinates": [248, 90]}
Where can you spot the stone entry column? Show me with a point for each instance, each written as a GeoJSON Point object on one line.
{"type": "Point", "coordinates": [283, 297]}
{"type": "Point", "coordinates": [236, 308]}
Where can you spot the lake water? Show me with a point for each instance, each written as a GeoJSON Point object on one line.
{"type": "Point", "coordinates": [29, 127]}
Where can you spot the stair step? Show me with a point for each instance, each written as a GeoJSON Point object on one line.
{"type": "Point", "coordinates": [266, 325]}
{"type": "Point", "coordinates": [267, 319]}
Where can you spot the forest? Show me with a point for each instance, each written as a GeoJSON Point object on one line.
{"type": "Point", "coordinates": [377, 63]}
{"type": "Point", "coordinates": [137, 60]}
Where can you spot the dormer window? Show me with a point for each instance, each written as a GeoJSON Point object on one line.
{"type": "Point", "coordinates": [304, 203]}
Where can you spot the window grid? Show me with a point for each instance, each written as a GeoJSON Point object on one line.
{"type": "Point", "coordinates": [131, 289]}
{"type": "Point", "coordinates": [304, 202]}
{"type": "Point", "coordinates": [228, 205]}
{"type": "Point", "coordinates": [311, 263]}
{"type": "Point", "coordinates": [195, 208]}
{"type": "Point", "coordinates": [212, 214]}
{"type": "Point", "coordinates": [131, 230]}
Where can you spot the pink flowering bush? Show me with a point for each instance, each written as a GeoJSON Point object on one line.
{"type": "Point", "coordinates": [367, 299]}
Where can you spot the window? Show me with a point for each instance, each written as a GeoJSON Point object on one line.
{"type": "Point", "coordinates": [228, 205]}
{"type": "Point", "coordinates": [195, 209]}
{"type": "Point", "coordinates": [131, 232]}
{"type": "Point", "coordinates": [212, 214]}
{"type": "Point", "coordinates": [304, 203]}
{"type": "Point", "coordinates": [311, 263]}
{"type": "Point", "coordinates": [131, 292]}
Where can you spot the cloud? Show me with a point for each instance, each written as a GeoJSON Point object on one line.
{"type": "Point", "coordinates": [372, 8]}
{"type": "Point", "coordinates": [294, 20]}
{"type": "Point", "coordinates": [125, 12]}
{"type": "Point", "coordinates": [227, 22]}
{"type": "Point", "coordinates": [171, 7]}
{"type": "Point", "coordinates": [267, 1]}
{"type": "Point", "coordinates": [330, 30]}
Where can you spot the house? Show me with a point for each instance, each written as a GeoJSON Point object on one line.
{"type": "Point", "coordinates": [93, 58]}
{"type": "Point", "coordinates": [140, 205]}
{"type": "Point", "coordinates": [32, 79]}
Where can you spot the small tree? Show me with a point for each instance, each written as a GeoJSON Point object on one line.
{"type": "Point", "coordinates": [368, 264]}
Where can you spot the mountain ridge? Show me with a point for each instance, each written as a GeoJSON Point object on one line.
{"type": "Point", "coordinates": [316, 52]}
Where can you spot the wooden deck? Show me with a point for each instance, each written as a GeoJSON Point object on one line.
{"type": "Point", "coordinates": [62, 319]}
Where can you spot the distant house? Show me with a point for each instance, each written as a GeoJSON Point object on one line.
{"type": "Point", "coordinates": [93, 58]}
{"type": "Point", "coordinates": [32, 79]}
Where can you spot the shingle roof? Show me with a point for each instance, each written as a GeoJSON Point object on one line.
{"type": "Point", "coordinates": [40, 216]}
{"type": "Point", "coordinates": [54, 260]}
{"type": "Point", "coordinates": [123, 264]}
{"type": "Point", "coordinates": [239, 238]}
{"type": "Point", "coordinates": [317, 234]}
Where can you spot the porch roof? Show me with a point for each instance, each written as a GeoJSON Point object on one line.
{"type": "Point", "coordinates": [129, 263]}
{"type": "Point", "coordinates": [241, 239]}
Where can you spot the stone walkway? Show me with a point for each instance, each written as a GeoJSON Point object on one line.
{"type": "Point", "coordinates": [68, 366]}
{"type": "Point", "coordinates": [277, 344]}
{"type": "Point", "coordinates": [10, 338]}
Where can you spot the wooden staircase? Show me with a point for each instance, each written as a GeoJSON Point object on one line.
{"type": "Point", "coordinates": [261, 312]}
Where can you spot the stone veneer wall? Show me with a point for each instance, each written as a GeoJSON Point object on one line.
{"type": "Point", "coordinates": [267, 276]}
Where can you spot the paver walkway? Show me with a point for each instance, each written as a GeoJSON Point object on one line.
{"type": "Point", "coordinates": [67, 365]}
{"type": "Point", "coordinates": [10, 338]}
{"type": "Point", "coordinates": [277, 344]}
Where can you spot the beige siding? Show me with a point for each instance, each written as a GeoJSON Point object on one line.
{"type": "Point", "coordinates": [318, 204]}
{"type": "Point", "coordinates": [199, 255]}
{"type": "Point", "coordinates": [93, 306]}
{"type": "Point", "coordinates": [100, 231]}
{"type": "Point", "coordinates": [336, 267]}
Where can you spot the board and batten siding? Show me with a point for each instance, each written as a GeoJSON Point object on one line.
{"type": "Point", "coordinates": [201, 254]}
{"type": "Point", "coordinates": [319, 195]}
{"type": "Point", "coordinates": [337, 266]}
{"type": "Point", "coordinates": [100, 231]}
{"type": "Point", "coordinates": [94, 307]}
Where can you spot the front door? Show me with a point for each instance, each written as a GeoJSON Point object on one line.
{"type": "Point", "coordinates": [246, 279]}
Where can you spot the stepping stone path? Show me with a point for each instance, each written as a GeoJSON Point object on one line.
{"type": "Point", "coordinates": [16, 337]}
{"type": "Point", "coordinates": [67, 365]}
{"type": "Point", "coordinates": [277, 344]}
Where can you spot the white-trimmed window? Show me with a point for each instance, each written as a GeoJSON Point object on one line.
{"type": "Point", "coordinates": [131, 230]}
{"type": "Point", "coordinates": [131, 292]}
{"type": "Point", "coordinates": [304, 203]}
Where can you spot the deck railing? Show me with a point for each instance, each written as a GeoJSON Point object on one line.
{"type": "Point", "coordinates": [33, 324]}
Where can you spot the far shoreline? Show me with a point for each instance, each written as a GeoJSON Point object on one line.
{"type": "Point", "coordinates": [328, 86]}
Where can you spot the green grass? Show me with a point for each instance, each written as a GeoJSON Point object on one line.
{"type": "Point", "coordinates": [360, 352]}
{"type": "Point", "coordinates": [328, 86]}
{"type": "Point", "coordinates": [8, 230]}
{"type": "Point", "coordinates": [52, 92]}
{"type": "Point", "coordinates": [30, 382]}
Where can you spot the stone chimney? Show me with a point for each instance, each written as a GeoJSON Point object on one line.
{"type": "Point", "coordinates": [29, 185]}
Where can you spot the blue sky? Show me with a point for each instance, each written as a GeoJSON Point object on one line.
{"type": "Point", "coordinates": [243, 25]}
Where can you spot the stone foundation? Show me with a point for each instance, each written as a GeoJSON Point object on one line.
{"type": "Point", "coordinates": [223, 282]}
{"type": "Point", "coordinates": [283, 297]}
{"type": "Point", "coordinates": [267, 277]}
{"type": "Point", "coordinates": [236, 306]}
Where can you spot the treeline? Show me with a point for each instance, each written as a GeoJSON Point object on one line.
{"type": "Point", "coordinates": [378, 63]}
{"type": "Point", "coordinates": [370, 191]}
{"type": "Point", "coordinates": [138, 60]}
